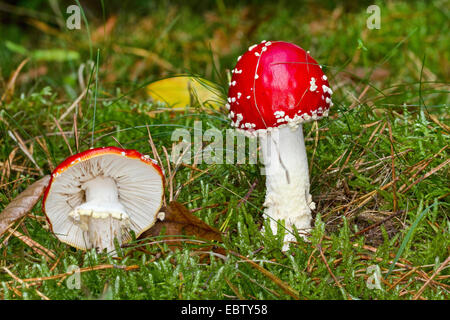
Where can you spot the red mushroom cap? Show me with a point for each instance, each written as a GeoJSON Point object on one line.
{"type": "Point", "coordinates": [274, 84]}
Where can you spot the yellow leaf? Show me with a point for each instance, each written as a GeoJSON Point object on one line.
{"type": "Point", "coordinates": [179, 92]}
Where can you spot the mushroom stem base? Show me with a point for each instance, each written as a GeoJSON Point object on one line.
{"type": "Point", "coordinates": [287, 182]}
{"type": "Point", "coordinates": [101, 228]}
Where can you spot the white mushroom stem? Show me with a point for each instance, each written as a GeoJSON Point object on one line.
{"type": "Point", "coordinates": [102, 217]}
{"type": "Point", "coordinates": [287, 181]}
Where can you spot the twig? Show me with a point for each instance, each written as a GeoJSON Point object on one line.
{"type": "Point", "coordinates": [73, 105]}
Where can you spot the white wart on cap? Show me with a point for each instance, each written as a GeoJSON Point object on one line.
{"type": "Point", "coordinates": [102, 194]}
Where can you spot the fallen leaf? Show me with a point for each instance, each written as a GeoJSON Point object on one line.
{"type": "Point", "coordinates": [178, 92]}
{"type": "Point", "coordinates": [22, 204]}
{"type": "Point", "coordinates": [180, 225]}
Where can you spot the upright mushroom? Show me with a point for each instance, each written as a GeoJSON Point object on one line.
{"type": "Point", "coordinates": [102, 194]}
{"type": "Point", "coordinates": [276, 87]}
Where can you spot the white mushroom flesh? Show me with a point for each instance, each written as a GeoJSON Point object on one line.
{"type": "Point", "coordinates": [102, 216]}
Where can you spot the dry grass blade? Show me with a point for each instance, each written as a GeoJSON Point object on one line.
{"type": "Point", "coordinates": [442, 266]}
{"type": "Point", "coordinates": [22, 169]}
{"type": "Point", "coordinates": [63, 135]}
{"type": "Point", "coordinates": [12, 81]}
{"type": "Point", "coordinates": [75, 131]}
{"type": "Point", "coordinates": [22, 204]}
{"type": "Point", "coordinates": [15, 136]}
{"type": "Point", "coordinates": [171, 176]}
{"type": "Point", "coordinates": [358, 100]}
{"type": "Point", "coordinates": [410, 272]}
{"type": "Point", "coordinates": [435, 120]}
{"type": "Point", "coordinates": [73, 105]}
{"type": "Point", "coordinates": [280, 283]}
{"type": "Point", "coordinates": [43, 144]}
{"type": "Point", "coordinates": [209, 207]}
{"type": "Point", "coordinates": [195, 178]}
{"type": "Point", "coordinates": [39, 249]}
{"type": "Point", "coordinates": [40, 294]}
{"type": "Point", "coordinates": [157, 158]}
{"type": "Point", "coordinates": [420, 166]}
{"type": "Point", "coordinates": [322, 256]}
{"type": "Point", "coordinates": [8, 164]}
{"type": "Point", "coordinates": [429, 173]}
{"type": "Point", "coordinates": [152, 145]}
{"type": "Point", "coordinates": [81, 270]}
{"type": "Point", "coordinates": [234, 289]}
{"type": "Point", "coordinates": [364, 199]}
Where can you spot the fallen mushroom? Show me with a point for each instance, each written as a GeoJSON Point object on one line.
{"type": "Point", "coordinates": [101, 194]}
{"type": "Point", "coordinates": [276, 87]}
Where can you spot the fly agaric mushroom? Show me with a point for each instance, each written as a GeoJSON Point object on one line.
{"type": "Point", "coordinates": [276, 87]}
{"type": "Point", "coordinates": [102, 194]}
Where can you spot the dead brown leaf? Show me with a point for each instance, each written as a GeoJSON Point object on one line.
{"type": "Point", "coordinates": [22, 204]}
{"type": "Point", "coordinates": [180, 225]}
